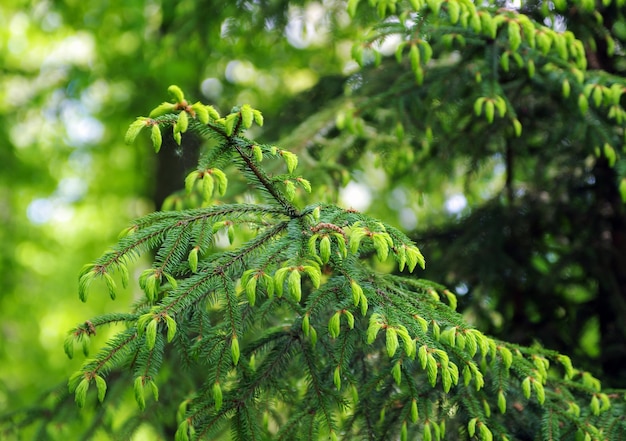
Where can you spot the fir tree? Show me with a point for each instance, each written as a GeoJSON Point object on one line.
{"type": "Point", "coordinates": [274, 319]}
{"type": "Point", "coordinates": [294, 331]}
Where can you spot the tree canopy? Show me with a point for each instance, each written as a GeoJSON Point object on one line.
{"type": "Point", "coordinates": [491, 134]}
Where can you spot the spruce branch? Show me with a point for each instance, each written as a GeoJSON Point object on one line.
{"type": "Point", "coordinates": [382, 354]}
{"type": "Point", "coordinates": [291, 210]}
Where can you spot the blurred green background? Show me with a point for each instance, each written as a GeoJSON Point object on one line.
{"type": "Point", "coordinates": [73, 75]}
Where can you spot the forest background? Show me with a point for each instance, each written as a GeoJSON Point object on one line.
{"type": "Point", "coordinates": [529, 231]}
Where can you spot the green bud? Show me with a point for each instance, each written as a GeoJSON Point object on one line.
{"type": "Point", "coordinates": [449, 336]}
{"type": "Point", "coordinates": [212, 112]}
{"type": "Point", "coordinates": [391, 341]}
{"type": "Point", "coordinates": [583, 103]}
{"type": "Point", "coordinates": [101, 385]}
{"type": "Point", "coordinates": [222, 180]}
{"type": "Point", "coordinates": [171, 280]}
{"type": "Point", "coordinates": [217, 395]}
{"type": "Point", "coordinates": [231, 234]}
{"type": "Point", "coordinates": [325, 248]}
{"type": "Point", "coordinates": [565, 88]}
{"type": "Point", "coordinates": [526, 387]}
{"type": "Point", "coordinates": [606, 402]}
{"type": "Point", "coordinates": [609, 154]}
{"type": "Point", "coordinates": [422, 356]}
{"type": "Point", "coordinates": [414, 257]}
{"type": "Point", "coordinates": [381, 246]}
{"type": "Point", "coordinates": [414, 412]}
{"type": "Point", "coordinates": [354, 392]}
{"type": "Point", "coordinates": [234, 349]}
{"type": "Point", "coordinates": [258, 117]}
{"type": "Point", "coordinates": [155, 390]}
{"type": "Point", "coordinates": [151, 334]}
{"type": "Point", "coordinates": [251, 290]}
{"type": "Point", "coordinates": [427, 435]}
{"type": "Point", "coordinates": [311, 244]}
{"type": "Point", "coordinates": [110, 283]}
{"type": "Point", "coordinates": [142, 322]}
{"type": "Point", "coordinates": [306, 323]}
{"type": "Point", "coordinates": [357, 291]}
{"type": "Point", "coordinates": [257, 153]}
{"type": "Point", "coordinates": [305, 184]}
{"type": "Point", "coordinates": [467, 375]}
{"type": "Point", "coordinates": [452, 301]}
{"type": "Point", "coordinates": [364, 305]}
{"type": "Point", "coordinates": [162, 109]}
{"type": "Point", "coordinates": [506, 355]}
{"type": "Point", "coordinates": [269, 285]}
{"type": "Point", "coordinates": [202, 114]}
{"type": "Point", "coordinates": [155, 136]}
{"type": "Point", "coordinates": [471, 427]}
{"type": "Point", "coordinates": [454, 10]}
{"type": "Point", "coordinates": [373, 328]}
{"type": "Point", "coordinates": [290, 159]}
{"type": "Point", "coordinates": [349, 318]}
{"type": "Point", "coordinates": [208, 185]}
{"type": "Point", "coordinates": [539, 391]}
{"type": "Point", "coordinates": [171, 327]}
{"type": "Point", "coordinates": [479, 104]}
{"type": "Point", "coordinates": [414, 56]}
{"type": "Point", "coordinates": [356, 234]}
{"type": "Point", "coordinates": [334, 325]}
{"type": "Point", "coordinates": [279, 280]}
{"type": "Point", "coordinates": [177, 93]}
{"type": "Point", "coordinates": [489, 110]}
{"type": "Point", "coordinates": [229, 124]}
{"type": "Point", "coordinates": [314, 273]}
{"type": "Point", "coordinates": [501, 401]}
{"type": "Point", "coordinates": [431, 369]}
{"type": "Point", "coordinates": [485, 433]}
{"type": "Point", "coordinates": [517, 127]}
{"type": "Point", "coordinates": [182, 431]}
{"type": "Point", "coordinates": [246, 116]}
{"type": "Point", "coordinates": [515, 38]}
{"type": "Point", "coordinates": [470, 342]}
{"type": "Point", "coordinates": [140, 397]}
{"type": "Point", "coordinates": [290, 189]}
{"type": "Point", "coordinates": [80, 394]}
{"type": "Point", "coordinates": [316, 213]}
{"type": "Point", "coordinates": [479, 381]}
{"type": "Point", "coordinates": [191, 179]}
{"type": "Point", "coordinates": [68, 345]}
{"type": "Point", "coordinates": [192, 259]}
{"type": "Point", "coordinates": [396, 372]}
{"type": "Point", "coordinates": [337, 378]}
{"type": "Point", "coordinates": [182, 122]}
{"type": "Point", "coordinates": [294, 284]}
{"type": "Point", "coordinates": [446, 379]}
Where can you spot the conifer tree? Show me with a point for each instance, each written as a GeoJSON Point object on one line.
{"type": "Point", "coordinates": [298, 330]}
{"type": "Point", "coordinates": [285, 318]}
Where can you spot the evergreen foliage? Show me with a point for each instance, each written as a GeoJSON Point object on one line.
{"type": "Point", "coordinates": [298, 330]}
{"type": "Point", "coordinates": [520, 110]}
{"type": "Point", "coordinates": [262, 317]}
